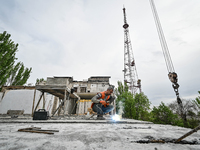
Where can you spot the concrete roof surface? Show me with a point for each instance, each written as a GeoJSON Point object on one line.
{"type": "Point", "coordinates": [94, 136]}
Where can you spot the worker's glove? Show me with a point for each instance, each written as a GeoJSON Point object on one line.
{"type": "Point", "coordinates": [107, 103]}
{"type": "Point", "coordinates": [103, 103]}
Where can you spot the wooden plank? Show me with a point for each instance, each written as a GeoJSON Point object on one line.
{"type": "Point", "coordinates": [61, 103]}
{"type": "Point", "coordinates": [29, 128]}
{"type": "Point", "coordinates": [65, 101]}
{"type": "Point", "coordinates": [187, 134]}
{"type": "Point", "coordinates": [36, 131]}
{"type": "Point", "coordinates": [33, 102]}
{"type": "Point", "coordinates": [39, 101]}
{"type": "Point", "coordinates": [43, 102]}
{"type": "Point", "coordinates": [55, 103]}
{"type": "Point", "coordinates": [46, 130]}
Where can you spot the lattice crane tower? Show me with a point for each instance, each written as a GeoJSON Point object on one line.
{"type": "Point", "coordinates": [130, 72]}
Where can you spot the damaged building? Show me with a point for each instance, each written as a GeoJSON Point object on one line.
{"type": "Point", "coordinates": [58, 95]}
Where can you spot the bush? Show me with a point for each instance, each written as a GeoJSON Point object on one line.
{"type": "Point", "coordinates": [192, 123]}
{"type": "Point", "coordinates": [163, 115]}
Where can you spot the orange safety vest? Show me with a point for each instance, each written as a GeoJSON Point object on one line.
{"type": "Point", "coordinates": [102, 97]}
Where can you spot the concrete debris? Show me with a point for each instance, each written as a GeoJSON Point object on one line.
{"type": "Point", "coordinates": [136, 127]}
{"type": "Point", "coordinates": [167, 140]}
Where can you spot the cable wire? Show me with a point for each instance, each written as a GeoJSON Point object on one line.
{"type": "Point", "coordinates": [163, 42]}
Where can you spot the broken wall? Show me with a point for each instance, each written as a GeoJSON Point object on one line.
{"type": "Point", "coordinates": [22, 99]}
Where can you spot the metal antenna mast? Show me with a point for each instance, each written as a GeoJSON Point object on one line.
{"type": "Point", "coordinates": [130, 72]}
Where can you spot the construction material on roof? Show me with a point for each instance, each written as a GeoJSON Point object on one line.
{"type": "Point", "coordinates": [37, 130]}
{"type": "Point", "coordinates": [187, 134]}
{"type": "Point", "coordinates": [15, 113]}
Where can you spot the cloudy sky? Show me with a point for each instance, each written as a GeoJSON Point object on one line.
{"type": "Point", "coordinates": [83, 38]}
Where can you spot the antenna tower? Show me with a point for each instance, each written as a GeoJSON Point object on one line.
{"type": "Point", "coordinates": [130, 72]}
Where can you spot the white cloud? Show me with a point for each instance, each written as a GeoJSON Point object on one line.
{"type": "Point", "coordinates": [84, 38]}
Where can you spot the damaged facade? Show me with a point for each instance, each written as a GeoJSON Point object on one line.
{"type": "Point", "coordinates": [58, 95]}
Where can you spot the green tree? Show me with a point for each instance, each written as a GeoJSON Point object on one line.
{"type": "Point", "coordinates": [7, 57]}
{"type": "Point", "coordinates": [163, 115]}
{"type": "Point", "coordinates": [134, 106]}
{"type": "Point", "coordinates": [40, 80]}
{"type": "Point", "coordinates": [11, 74]}
{"type": "Point", "coordinates": [19, 75]}
{"type": "Point", "coordinates": [142, 106]}
{"type": "Point", "coordinates": [126, 99]}
{"type": "Point", "coordinates": [197, 101]}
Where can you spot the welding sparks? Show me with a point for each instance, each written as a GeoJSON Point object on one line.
{"type": "Point", "coordinates": [116, 117]}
